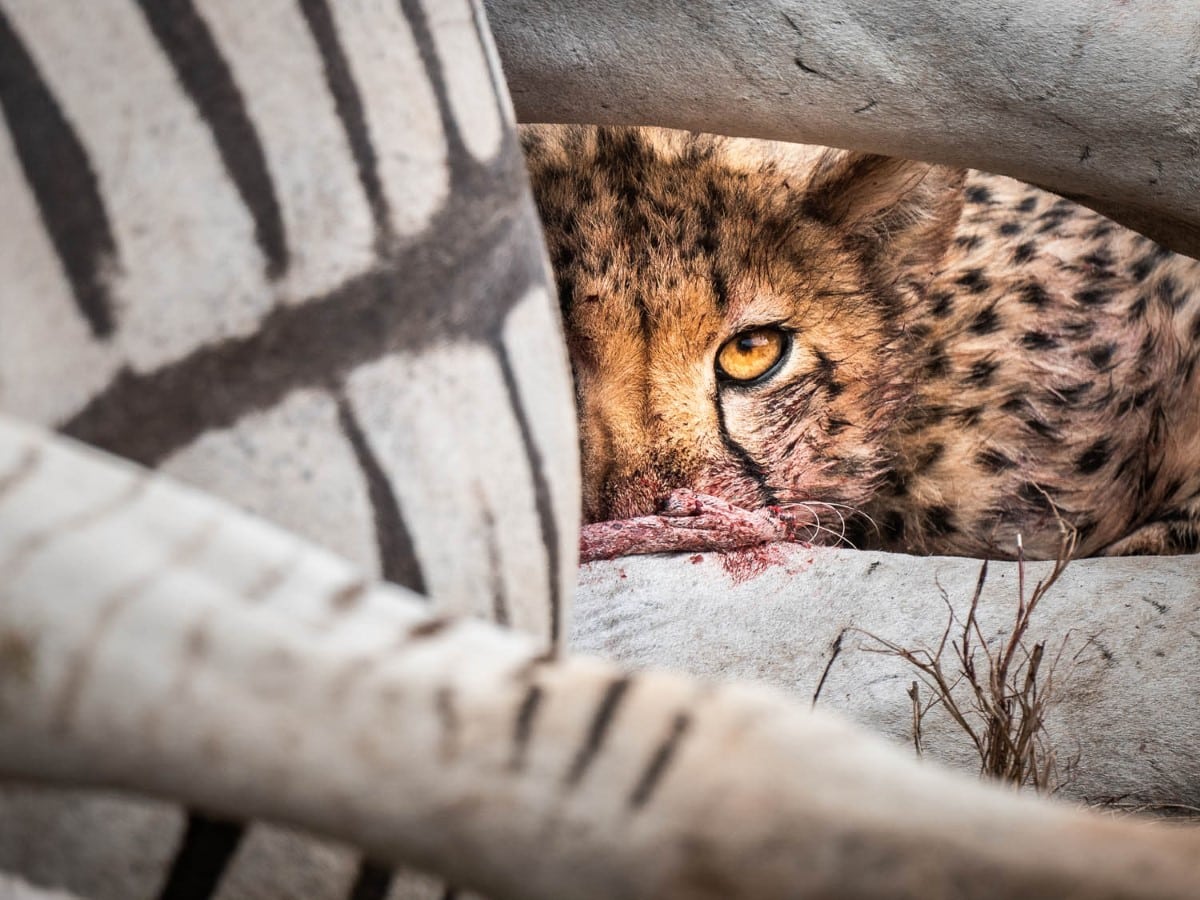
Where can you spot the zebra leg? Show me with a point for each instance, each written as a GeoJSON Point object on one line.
{"type": "Point", "coordinates": [151, 646]}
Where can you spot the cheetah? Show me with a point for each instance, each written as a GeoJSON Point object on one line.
{"type": "Point", "coordinates": [950, 362]}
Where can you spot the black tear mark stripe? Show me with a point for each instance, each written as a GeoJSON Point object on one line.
{"type": "Point", "coordinates": [204, 853]}
{"type": "Point", "coordinates": [749, 464]}
{"type": "Point", "coordinates": [348, 103]}
{"type": "Point", "coordinates": [64, 185]}
{"type": "Point", "coordinates": [602, 719]}
{"type": "Point", "coordinates": [660, 761]}
{"type": "Point", "coordinates": [206, 78]}
{"type": "Point", "coordinates": [541, 492]}
{"type": "Point", "coordinates": [371, 882]}
{"type": "Point", "coordinates": [397, 555]}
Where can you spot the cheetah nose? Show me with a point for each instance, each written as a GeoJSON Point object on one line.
{"type": "Point", "coordinates": [636, 494]}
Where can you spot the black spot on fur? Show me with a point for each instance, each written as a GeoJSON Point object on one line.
{"type": "Point", "coordinates": [895, 482]}
{"type": "Point", "coordinates": [1172, 488]}
{"type": "Point", "coordinates": [1036, 496]}
{"type": "Point", "coordinates": [892, 527]}
{"type": "Point", "coordinates": [974, 280]}
{"type": "Point", "coordinates": [1037, 426]}
{"type": "Point", "coordinates": [826, 373]}
{"type": "Point", "coordinates": [1080, 329]}
{"type": "Point", "coordinates": [986, 321]}
{"type": "Point", "coordinates": [919, 332]}
{"type": "Point", "coordinates": [1183, 537]}
{"type": "Point", "coordinates": [1137, 309]}
{"type": "Point", "coordinates": [943, 304]}
{"type": "Point", "coordinates": [1091, 459]}
{"type": "Point", "coordinates": [938, 363]}
{"type": "Point", "coordinates": [1066, 396]}
{"type": "Point", "coordinates": [1147, 349]}
{"type": "Point", "coordinates": [1024, 252]}
{"type": "Point", "coordinates": [978, 194]}
{"type": "Point", "coordinates": [1028, 204]}
{"type": "Point", "coordinates": [1051, 219]}
{"type": "Point", "coordinates": [1140, 269]}
{"type": "Point", "coordinates": [939, 521]}
{"type": "Point", "coordinates": [968, 241]}
{"type": "Point", "coordinates": [982, 372]}
{"type": "Point", "coordinates": [992, 460]}
{"type": "Point", "coordinates": [720, 288]}
{"type": "Point", "coordinates": [1038, 340]}
{"type": "Point", "coordinates": [1010, 228]}
{"type": "Point", "coordinates": [1168, 292]}
{"type": "Point", "coordinates": [1141, 398]}
{"type": "Point", "coordinates": [1093, 296]}
{"type": "Point", "coordinates": [969, 416]}
{"type": "Point", "coordinates": [834, 425]}
{"type": "Point", "coordinates": [1033, 294]}
{"type": "Point", "coordinates": [933, 414]}
{"type": "Point", "coordinates": [1101, 355]}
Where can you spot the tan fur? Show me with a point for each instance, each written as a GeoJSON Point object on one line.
{"type": "Point", "coordinates": [972, 358]}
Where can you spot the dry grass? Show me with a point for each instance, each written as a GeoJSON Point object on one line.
{"type": "Point", "coordinates": [999, 697]}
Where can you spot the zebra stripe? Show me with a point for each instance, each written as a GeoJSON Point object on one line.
{"type": "Point", "coordinates": [602, 719]}
{"type": "Point", "coordinates": [348, 101]}
{"type": "Point", "coordinates": [189, 45]}
{"type": "Point", "coordinates": [660, 761]}
{"type": "Point", "coordinates": [397, 558]}
{"type": "Point", "coordinates": [541, 493]}
{"type": "Point", "coordinates": [205, 851]}
{"type": "Point", "coordinates": [371, 882]}
{"type": "Point", "coordinates": [63, 181]}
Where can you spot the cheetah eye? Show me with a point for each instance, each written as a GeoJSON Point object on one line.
{"type": "Point", "coordinates": [753, 355]}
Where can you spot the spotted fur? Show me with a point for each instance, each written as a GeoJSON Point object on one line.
{"type": "Point", "coordinates": [973, 359]}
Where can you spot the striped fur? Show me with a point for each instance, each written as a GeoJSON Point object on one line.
{"type": "Point", "coordinates": [459, 746]}
{"type": "Point", "coordinates": [225, 256]}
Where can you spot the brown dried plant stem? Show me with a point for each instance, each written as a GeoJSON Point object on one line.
{"type": "Point", "coordinates": [1008, 690]}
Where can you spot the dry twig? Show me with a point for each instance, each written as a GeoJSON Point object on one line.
{"type": "Point", "coordinates": [1008, 691]}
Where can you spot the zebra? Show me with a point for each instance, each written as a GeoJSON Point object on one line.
{"type": "Point", "coordinates": [356, 280]}
{"type": "Point", "coordinates": [285, 254]}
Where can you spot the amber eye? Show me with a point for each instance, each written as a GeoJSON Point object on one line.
{"type": "Point", "coordinates": [752, 354]}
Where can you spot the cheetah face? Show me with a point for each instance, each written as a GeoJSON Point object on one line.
{"type": "Point", "coordinates": [736, 323]}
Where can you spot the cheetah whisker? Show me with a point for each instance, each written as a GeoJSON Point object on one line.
{"type": "Point", "coordinates": [839, 538]}
{"type": "Point", "coordinates": [836, 507]}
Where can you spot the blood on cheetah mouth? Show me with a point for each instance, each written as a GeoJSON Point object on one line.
{"type": "Point", "coordinates": [697, 523]}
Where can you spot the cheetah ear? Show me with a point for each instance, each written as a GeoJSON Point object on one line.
{"type": "Point", "coordinates": [905, 212]}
